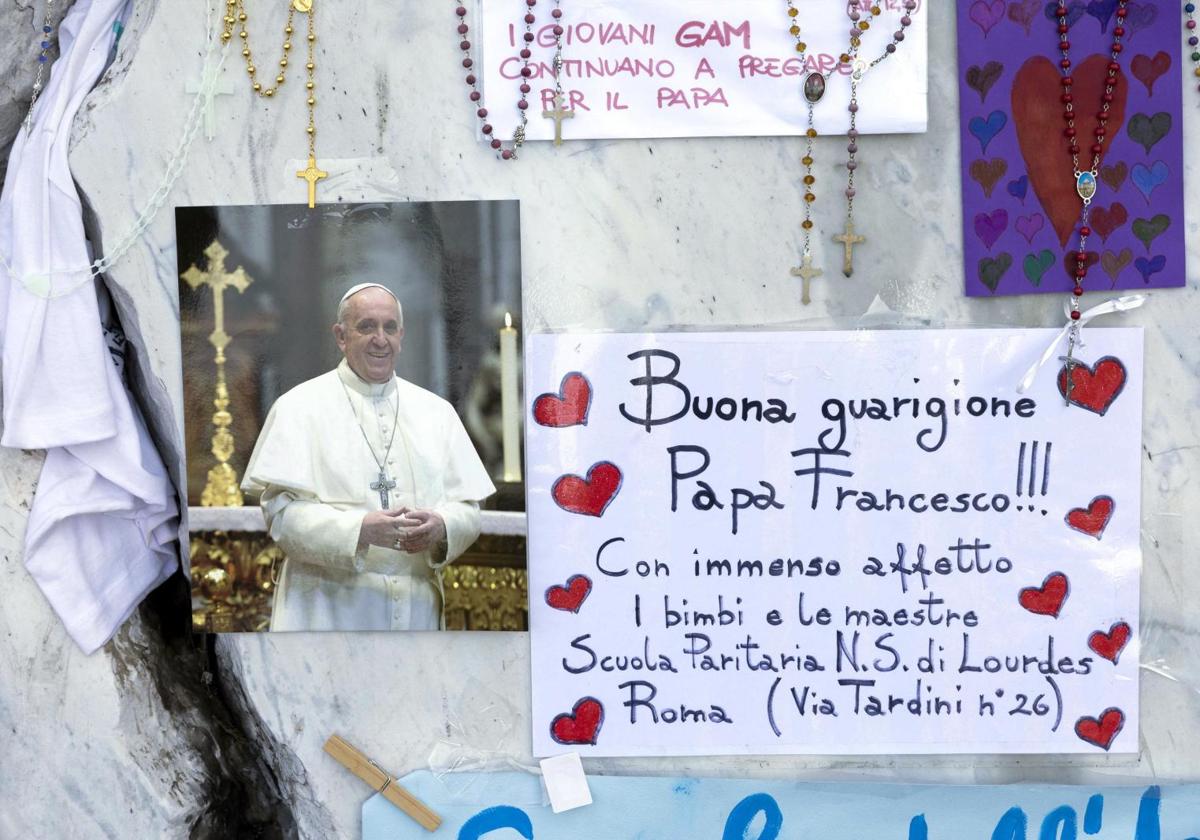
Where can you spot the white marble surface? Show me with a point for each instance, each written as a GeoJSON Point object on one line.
{"type": "Point", "coordinates": [616, 235]}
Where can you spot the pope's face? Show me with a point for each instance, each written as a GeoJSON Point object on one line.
{"type": "Point", "coordinates": [369, 335]}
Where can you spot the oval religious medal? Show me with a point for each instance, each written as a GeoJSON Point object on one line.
{"type": "Point", "coordinates": [1085, 185]}
{"type": "Point", "coordinates": [814, 87]}
{"type": "Point", "coordinates": [302, 5]}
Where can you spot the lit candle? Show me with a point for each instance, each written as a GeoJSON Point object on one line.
{"type": "Point", "coordinates": [510, 400]}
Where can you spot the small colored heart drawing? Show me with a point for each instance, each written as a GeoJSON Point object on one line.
{"type": "Point", "coordinates": [992, 270]}
{"type": "Point", "coordinates": [1070, 263]}
{"type": "Point", "coordinates": [1110, 644]}
{"type": "Point", "coordinates": [1019, 188]}
{"type": "Point", "coordinates": [1114, 175]}
{"type": "Point", "coordinates": [569, 407]}
{"type": "Point", "coordinates": [1093, 519]}
{"type": "Point", "coordinates": [990, 227]}
{"type": "Point", "coordinates": [986, 15]}
{"type": "Point", "coordinates": [981, 79]}
{"type": "Point", "coordinates": [581, 725]}
{"type": "Point", "coordinates": [1102, 10]}
{"type": "Point", "coordinates": [1074, 11]}
{"type": "Point", "coordinates": [1105, 221]}
{"type": "Point", "coordinates": [1147, 230]}
{"type": "Point", "coordinates": [589, 496]}
{"type": "Point", "coordinates": [1147, 70]}
{"type": "Point", "coordinates": [985, 130]}
{"type": "Point", "coordinates": [1149, 178]}
{"type": "Point", "coordinates": [1140, 16]}
{"type": "Point", "coordinates": [1094, 387]}
{"type": "Point", "coordinates": [988, 172]}
{"type": "Point", "coordinates": [1114, 264]}
{"type": "Point", "coordinates": [1023, 13]}
{"type": "Point", "coordinates": [1047, 599]}
{"type": "Point", "coordinates": [1036, 265]}
{"type": "Point", "coordinates": [1103, 730]}
{"type": "Point", "coordinates": [570, 598]}
{"type": "Point", "coordinates": [1147, 131]}
{"type": "Point", "coordinates": [1028, 226]}
{"type": "Point", "coordinates": [1149, 267]}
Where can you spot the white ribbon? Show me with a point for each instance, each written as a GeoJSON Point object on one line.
{"type": "Point", "coordinates": [1122, 304]}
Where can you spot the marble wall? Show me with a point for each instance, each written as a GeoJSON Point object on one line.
{"type": "Point", "coordinates": [625, 235]}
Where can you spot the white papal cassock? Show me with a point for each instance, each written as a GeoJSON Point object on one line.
{"type": "Point", "coordinates": [313, 472]}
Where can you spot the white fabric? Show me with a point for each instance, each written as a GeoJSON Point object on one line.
{"type": "Point", "coordinates": [313, 470]}
{"type": "Point", "coordinates": [102, 521]}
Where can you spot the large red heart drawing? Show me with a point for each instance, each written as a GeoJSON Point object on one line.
{"type": "Point", "coordinates": [582, 725]}
{"type": "Point", "coordinates": [569, 407]}
{"type": "Point", "coordinates": [1093, 519]}
{"type": "Point", "coordinates": [1101, 731]}
{"type": "Point", "coordinates": [1110, 644]}
{"type": "Point", "coordinates": [1094, 388]}
{"type": "Point", "coordinates": [589, 496]}
{"type": "Point", "coordinates": [570, 598]}
{"type": "Point", "coordinates": [1048, 598]}
{"type": "Point", "coordinates": [1037, 110]}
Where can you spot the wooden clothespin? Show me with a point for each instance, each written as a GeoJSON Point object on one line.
{"type": "Point", "coordinates": [382, 781]}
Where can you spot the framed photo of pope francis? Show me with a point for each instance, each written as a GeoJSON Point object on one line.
{"type": "Point", "coordinates": [352, 416]}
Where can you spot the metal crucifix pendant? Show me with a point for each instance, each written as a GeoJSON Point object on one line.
{"type": "Point", "coordinates": [384, 486]}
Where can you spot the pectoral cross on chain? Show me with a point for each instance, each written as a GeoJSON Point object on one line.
{"type": "Point", "coordinates": [384, 486]}
{"type": "Point", "coordinates": [849, 239]}
{"type": "Point", "coordinates": [807, 272]}
{"type": "Point", "coordinates": [558, 115]}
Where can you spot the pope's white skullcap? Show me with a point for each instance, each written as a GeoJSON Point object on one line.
{"type": "Point", "coordinates": [355, 289]}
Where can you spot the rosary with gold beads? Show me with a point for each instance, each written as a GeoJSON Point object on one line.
{"type": "Point", "coordinates": [235, 12]}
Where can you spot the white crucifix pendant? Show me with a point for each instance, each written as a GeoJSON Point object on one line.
{"type": "Point", "coordinates": [384, 486]}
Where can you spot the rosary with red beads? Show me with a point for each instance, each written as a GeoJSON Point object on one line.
{"type": "Point", "coordinates": [558, 113]}
{"type": "Point", "coordinates": [1086, 183]}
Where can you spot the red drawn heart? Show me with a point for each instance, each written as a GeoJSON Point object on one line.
{"type": "Point", "coordinates": [1147, 70]}
{"type": "Point", "coordinates": [1101, 731]}
{"type": "Point", "coordinates": [1037, 111]}
{"type": "Point", "coordinates": [569, 407]}
{"type": "Point", "coordinates": [1096, 387]}
{"type": "Point", "coordinates": [570, 598]}
{"type": "Point", "coordinates": [1048, 598]}
{"type": "Point", "coordinates": [1104, 222]}
{"type": "Point", "coordinates": [1093, 519]}
{"type": "Point", "coordinates": [582, 725]}
{"type": "Point", "coordinates": [588, 496]}
{"type": "Point", "coordinates": [1110, 644]}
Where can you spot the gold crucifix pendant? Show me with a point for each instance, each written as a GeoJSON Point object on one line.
{"type": "Point", "coordinates": [312, 175]}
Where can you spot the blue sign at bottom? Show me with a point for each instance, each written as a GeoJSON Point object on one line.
{"type": "Point", "coordinates": [508, 806]}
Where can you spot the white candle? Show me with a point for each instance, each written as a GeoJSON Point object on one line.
{"type": "Point", "coordinates": [510, 400]}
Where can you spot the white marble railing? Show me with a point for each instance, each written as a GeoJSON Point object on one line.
{"type": "Point", "coordinates": [494, 522]}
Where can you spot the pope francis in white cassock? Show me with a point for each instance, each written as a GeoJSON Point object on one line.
{"type": "Point", "coordinates": [368, 483]}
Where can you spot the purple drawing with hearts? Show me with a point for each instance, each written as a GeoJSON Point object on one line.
{"type": "Point", "coordinates": [1015, 221]}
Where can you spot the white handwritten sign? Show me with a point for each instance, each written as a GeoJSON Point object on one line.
{"type": "Point", "coordinates": [700, 68]}
{"type": "Point", "coordinates": [833, 542]}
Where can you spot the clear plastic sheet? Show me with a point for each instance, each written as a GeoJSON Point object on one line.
{"type": "Point", "coordinates": [1170, 683]}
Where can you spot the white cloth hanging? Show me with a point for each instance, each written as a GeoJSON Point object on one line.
{"type": "Point", "coordinates": [104, 515]}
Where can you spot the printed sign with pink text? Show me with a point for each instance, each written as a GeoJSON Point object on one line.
{"type": "Point", "coordinates": [833, 543]}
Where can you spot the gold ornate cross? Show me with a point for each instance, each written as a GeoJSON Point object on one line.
{"type": "Point", "coordinates": [558, 115]}
{"type": "Point", "coordinates": [221, 490]}
{"type": "Point", "coordinates": [312, 175]}
{"type": "Point", "coordinates": [849, 239]}
{"type": "Point", "coordinates": [807, 272]}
